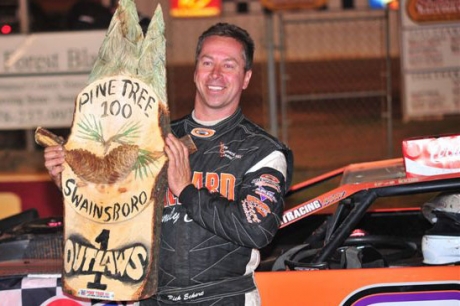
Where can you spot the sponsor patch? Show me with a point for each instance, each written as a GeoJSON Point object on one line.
{"type": "Point", "coordinates": [267, 180]}
{"type": "Point", "coordinates": [203, 132]}
{"type": "Point", "coordinates": [265, 194]}
{"type": "Point", "coordinates": [253, 207]}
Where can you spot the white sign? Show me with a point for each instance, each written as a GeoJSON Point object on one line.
{"type": "Point", "coordinates": [41, 75]}
{"type": "Point", "coordinates": [430, 60]}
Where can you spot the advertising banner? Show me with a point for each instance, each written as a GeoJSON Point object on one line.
{"type": "Point", "coordinates": [430, 58]}
{"type": "Point", "coordinates": [41, 75]}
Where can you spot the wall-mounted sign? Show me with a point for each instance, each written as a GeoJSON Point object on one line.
{"type": "Point", "coordinates": [41, 74]}
{"type": "Point", "coordinates": [430, 58]}
{"type": "Point", "coordinates": [195, 8]}
{"type": "Point", "coordinates": [429, 10]}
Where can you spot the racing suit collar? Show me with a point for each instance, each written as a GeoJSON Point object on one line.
{"type": "Point", "coordinates": [207, 123]}
{"type": "Point", "coordinates": [217, 128]}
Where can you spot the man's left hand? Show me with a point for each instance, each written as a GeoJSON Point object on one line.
{"type": "Point", "coordinates": [179, 173]}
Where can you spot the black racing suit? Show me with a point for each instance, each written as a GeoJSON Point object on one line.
{"type": "Point", "coordinates": [210, 235]}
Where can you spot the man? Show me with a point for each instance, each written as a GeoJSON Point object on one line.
{"type": "Point", "coordinates": [226, 200]}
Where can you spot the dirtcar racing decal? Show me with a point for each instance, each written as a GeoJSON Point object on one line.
{"type": "Point", "coordinates": [301, 211]}
{"type": "Point", "coordinates": [407, 294]}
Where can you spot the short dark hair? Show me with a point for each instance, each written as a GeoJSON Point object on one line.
{"type": "Point", "coordinates": [233, 31]}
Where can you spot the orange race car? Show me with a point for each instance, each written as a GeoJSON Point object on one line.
{"type": "Point", "coordinates": [389, 240]}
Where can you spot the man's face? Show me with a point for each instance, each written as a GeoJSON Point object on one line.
{"type": "Point", "coordinates": [219, 77]}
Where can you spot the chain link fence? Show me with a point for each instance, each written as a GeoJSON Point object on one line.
{"type": "Point", "coordinates": [335, 88]}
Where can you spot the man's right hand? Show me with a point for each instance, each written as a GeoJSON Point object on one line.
{"type": "Point", "coordinates": [54, 159]}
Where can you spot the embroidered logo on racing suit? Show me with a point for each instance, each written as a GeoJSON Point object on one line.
{"type": "Point", "coordinates": [267, 180]}
{"type": "Point", "coordinates": [202, 132]}
{"type": "Point", "coordinates": [253, 207]}
{"type": "Point", "coordinates": [225, 152]}
{"type": "Point", "coordinates": [266, 194]}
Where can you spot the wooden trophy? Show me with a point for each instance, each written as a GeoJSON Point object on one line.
{"type": "Point", "coordinates": [115, 181]}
